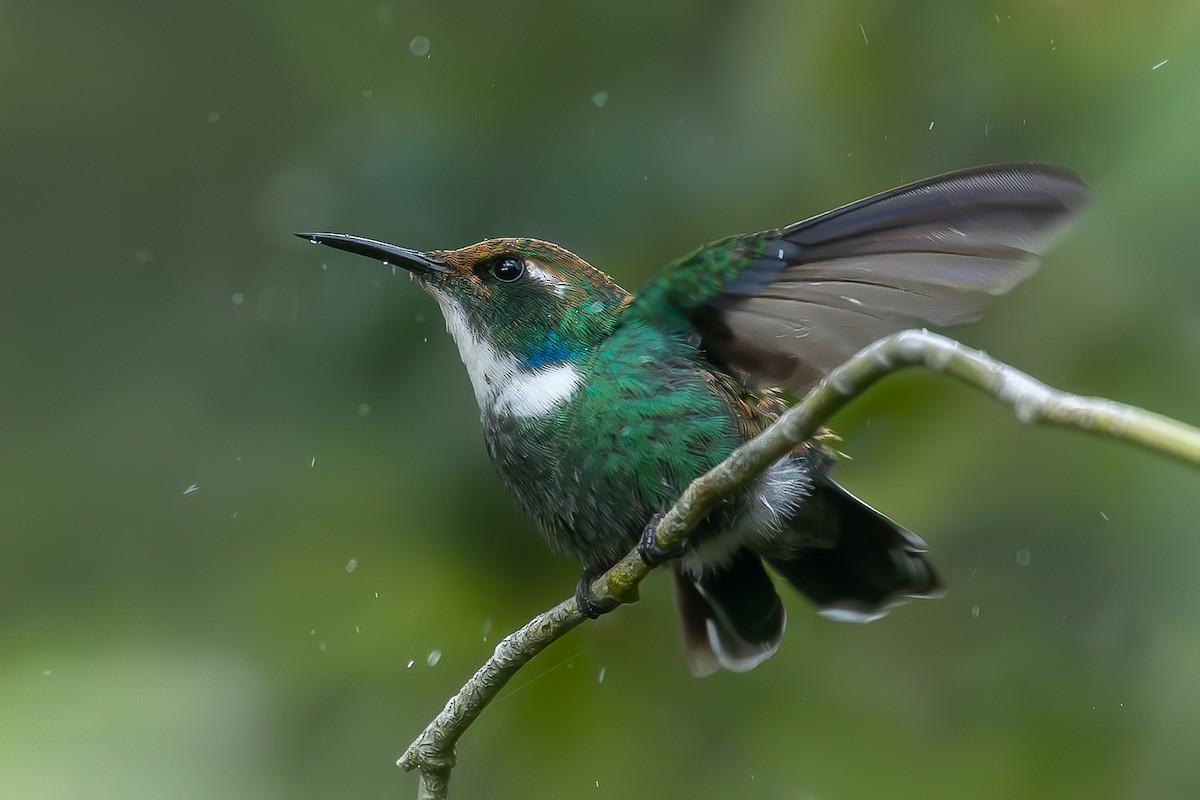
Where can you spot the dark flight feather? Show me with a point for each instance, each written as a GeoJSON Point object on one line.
{"type": "Point", "coordinates": [789, 305]}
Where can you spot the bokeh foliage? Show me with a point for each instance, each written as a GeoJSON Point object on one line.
{"type": "Point", "coordinates": [252, 637]}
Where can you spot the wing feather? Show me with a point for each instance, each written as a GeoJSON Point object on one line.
{"type": "Point", "coordinates": [790, 304]}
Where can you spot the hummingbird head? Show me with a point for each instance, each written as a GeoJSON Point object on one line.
{"type": "Point", "coordinates": [523, 312]}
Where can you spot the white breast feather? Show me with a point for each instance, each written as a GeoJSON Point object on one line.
{"type": "Point", "coordinates": [777, 494]}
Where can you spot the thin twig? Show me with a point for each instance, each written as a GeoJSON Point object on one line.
{"type": "Point", "coordinates": [433, 752]}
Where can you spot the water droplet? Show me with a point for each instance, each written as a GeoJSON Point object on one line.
{"type": "Point", "coordinates": [214, 116]}
{"type": "Point", "coordinates": [364, 409]}
{"type": "Point", "coordinates": [1023, 557]}
{"type": "Point", "coordinates": [367, 94]}
{"type": "Point", "coordinates": [433, 658]}
{"type": "Point", "coordinates": [191, 488]}
{"type": "Point", "coordinates": [312, 464]}
{"type": "Point", "coordinates": [975, 611]}
{"type": "Point", "coordinates": [600, 99]}
{"type": "Point", "coordinates": [1104, 516]}
{"type": "Point", "coordinates": [356, 630]}
{"type": "Point", "coordinates": [487, 628]}
{"type": "Point", "coordinates": [601, 678]}
{"type": "Point", "coordinates": [45, 673]}
{"type": "Point", "coordinates": [322, 644]}
{"type": "Point", "coordinates": [314, 240]}
{"type": "Point", "coordinates": [239, 298]}
{"type": "Point", "coordinates": [352, 565]}
{"type": "Point", "coordinates": [410, 663]}
{"type": "Point", "coordinates": [419, 46]}
{"type": "Point", "coordinates": [312, 632]}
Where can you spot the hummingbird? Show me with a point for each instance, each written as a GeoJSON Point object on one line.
{"type": "Point", "coordinates": [599, 406]}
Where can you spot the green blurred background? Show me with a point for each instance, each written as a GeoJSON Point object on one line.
{"type": "Point", "coordinates": [243, 493]}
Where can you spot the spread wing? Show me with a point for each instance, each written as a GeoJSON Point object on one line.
{"type": "Point", "coordinates": [790, 304]}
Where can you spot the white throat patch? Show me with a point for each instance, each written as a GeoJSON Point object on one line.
{"type": "Point", "coordinates": [502, 385]}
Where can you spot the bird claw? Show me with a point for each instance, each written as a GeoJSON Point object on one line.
{"type": "Point", "coordinates": [590, 605]}
{"type": "Point", "coordinates": [648, 550]}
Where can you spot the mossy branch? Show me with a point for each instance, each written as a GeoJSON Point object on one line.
{"type": "Point", "coordinates": [433, 752]}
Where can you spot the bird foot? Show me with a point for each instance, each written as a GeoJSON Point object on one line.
{"type": "Point", "coordinates": [648, 550]}
{"type": "Point", "coordinates": [590, 605]}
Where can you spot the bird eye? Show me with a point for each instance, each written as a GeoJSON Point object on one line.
{"type": "Point", "coordinates": [508, 269]}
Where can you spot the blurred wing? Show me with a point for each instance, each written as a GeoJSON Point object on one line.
{"type": "Point", "coordinates": [789, 305]}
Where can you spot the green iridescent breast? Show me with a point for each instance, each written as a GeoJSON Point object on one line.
{"type": "Point", "coordinates": [643, 425]}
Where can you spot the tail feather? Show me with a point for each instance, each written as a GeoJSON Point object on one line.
{"type": "Point", "coordinates": [871, 565]}
{"type": "Point", "coordinates": [731, 617]}
{"type": "Point", "coordinates": [852, 561]}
